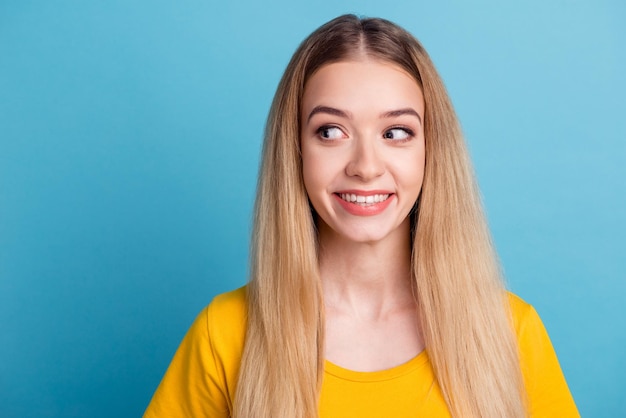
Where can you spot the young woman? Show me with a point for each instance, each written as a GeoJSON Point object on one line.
{"type": "Point", "coordinates": [374, 290]}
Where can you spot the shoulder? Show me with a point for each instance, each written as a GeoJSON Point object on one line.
{"type": "Point", "coordinates": [547, 390]}
{"type": "Point", "coordinates": [226, 318]}
{"type": "Point", "coordinates": [217, 335]}
{"type": "Point", "coordinates": [521, 311]}
{"type": "Point", "coordinates": [224, 323]}
{"type": "Point", "coordinates": [202, 376]}
{"type": "Point", "coordinates": [529, 329]}
{"type": "Point", "coordinates": [231, 304]}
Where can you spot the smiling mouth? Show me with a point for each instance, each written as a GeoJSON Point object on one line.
{"type": "Point", "coordinates": [363, 200]}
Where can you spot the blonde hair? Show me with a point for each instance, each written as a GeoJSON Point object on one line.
{"type": "Point", "coordinates": [459, 293]}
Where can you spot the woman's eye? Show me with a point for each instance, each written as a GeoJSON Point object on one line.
{"type": "Point", "coordinates": [398, 134]}
{"type": "Point", "coordinates": [330, 132]}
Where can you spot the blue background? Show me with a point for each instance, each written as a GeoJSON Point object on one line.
{"type": "Point", "coordinates": [129, 140]}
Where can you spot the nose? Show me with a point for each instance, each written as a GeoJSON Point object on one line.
{"type": "Point", "coordinates": [365, 161]}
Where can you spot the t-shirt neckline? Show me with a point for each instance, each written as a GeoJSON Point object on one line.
{"type": "Point", "coordinates": [416, 362]}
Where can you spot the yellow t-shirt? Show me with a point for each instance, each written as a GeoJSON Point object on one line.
{"type": "Point", "coordinates": [201, 380]}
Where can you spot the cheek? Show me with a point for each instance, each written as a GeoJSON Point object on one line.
{"type": "Point", "coordinates": [314, 185]}
{"type": "Point", "coordinates": [410, 171]}
{"type": "Point", "coordinates": [319, 168]}
{"type": "Point", "coordinates": [311, 173]}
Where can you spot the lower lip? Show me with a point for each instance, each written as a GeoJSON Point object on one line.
{"type": "Point", "coordinates": [369, 210]}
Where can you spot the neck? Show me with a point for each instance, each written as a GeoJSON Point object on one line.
{"type": "Point", "coordinates": [368, 279]}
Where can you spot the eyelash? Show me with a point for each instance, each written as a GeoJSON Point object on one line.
{"type": "Point", "coordinates": [409, 132]}
{"type": "Point", "coordinates": [325, 128]}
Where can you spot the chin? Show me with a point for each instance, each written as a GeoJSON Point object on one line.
{"type": "Point", "coordinates": [365, 237]}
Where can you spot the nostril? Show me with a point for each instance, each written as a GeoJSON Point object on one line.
{"type": "Point", "coordinates": [365, 169]}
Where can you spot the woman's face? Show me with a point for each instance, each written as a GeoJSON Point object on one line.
{"type": "Point", "coordinates": [362, 141]}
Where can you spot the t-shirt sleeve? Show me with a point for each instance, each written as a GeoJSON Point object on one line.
{"type": "Point", "coordinates": [548, 394]}
{"type": "Point", "coordinates": [193, 385]}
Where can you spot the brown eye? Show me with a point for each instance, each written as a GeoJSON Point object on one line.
{"type": "Point", "coordinates": [330, 133]}
{"type": "Point", "coordinates": [398, 134]}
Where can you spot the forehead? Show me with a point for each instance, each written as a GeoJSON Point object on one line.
{"type": "Point", "coordinates": [362, 83]}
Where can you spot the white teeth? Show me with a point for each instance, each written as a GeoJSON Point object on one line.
{"type": "Point", "coordinates": [364, 200]}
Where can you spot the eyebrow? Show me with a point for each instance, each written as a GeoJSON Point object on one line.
{"type": "Point", "coordinates": [328, 110]}
{"type": "Point", "coordinates": [338, 112]}
{"type": "Point", "coordinates": [400, 112]}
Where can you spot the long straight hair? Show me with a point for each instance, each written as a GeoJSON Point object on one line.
{"type": "Point", "coordinates": [459, 293]}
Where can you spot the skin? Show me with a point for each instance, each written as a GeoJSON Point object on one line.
{"type": "Point", "coordinates": [362, 132]}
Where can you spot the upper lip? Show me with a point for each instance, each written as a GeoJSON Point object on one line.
{"type": "Point", "coordinates": [364, 192]}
